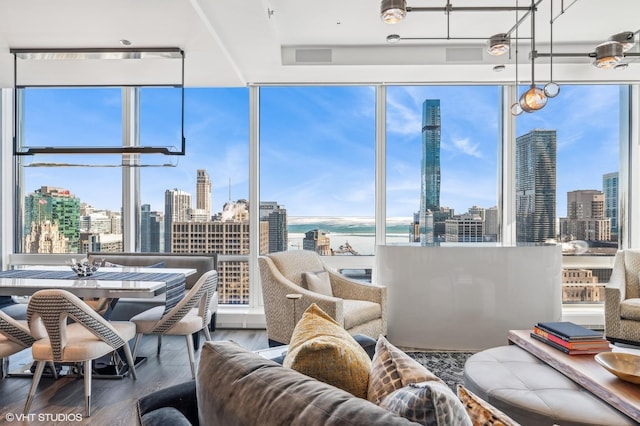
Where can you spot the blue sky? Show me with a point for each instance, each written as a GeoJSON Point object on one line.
{"type": "Point", "coordinates": [317, 144]}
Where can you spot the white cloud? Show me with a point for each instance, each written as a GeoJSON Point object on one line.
{"type": "Point", "coordinates": [464, 146]}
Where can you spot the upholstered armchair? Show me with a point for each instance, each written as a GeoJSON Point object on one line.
{"type": "Point", "coordinates": [358, 307]}
{"type": "Point", "coordinates": [622, 299]}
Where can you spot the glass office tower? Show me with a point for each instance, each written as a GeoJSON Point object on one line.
{"type": "Point", "coordinates": [610, 189]}
{"type": "Point", "coordinates": [430, 172]}
{"type": "Point", "coordinates": [536, 186]}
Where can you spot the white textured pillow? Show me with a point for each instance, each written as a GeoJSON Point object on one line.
{"type": "Point", "coordinates": [318, 282]}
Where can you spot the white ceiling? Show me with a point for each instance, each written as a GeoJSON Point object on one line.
{"type": "Point", "coordinates": [240, 42]}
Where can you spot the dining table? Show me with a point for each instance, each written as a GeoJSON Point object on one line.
{"type": "Point", "coordinates": [112, 283]}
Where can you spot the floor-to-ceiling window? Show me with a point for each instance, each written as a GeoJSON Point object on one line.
{"type": "Point", "coordinates": [441, 164]}
{"type": "Point", "coordinates": [317, 172]}
{"type": "Point", "coordinates": [201, 204]}
{"type": "Point", "coordinates": [317, 169]}
{"type": "Point", "coordinates": [69, 204]}
{"type": "Point", "coordinates": [567, 163]}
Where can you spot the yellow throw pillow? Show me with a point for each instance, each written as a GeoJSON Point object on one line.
{"type": "Point", "coordinates": [321, 349]}
{"type": "Point", "coordinates": [393, 369]}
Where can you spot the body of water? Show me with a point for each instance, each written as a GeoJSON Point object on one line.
{"type": "Point", "coordinates": [358, 232]}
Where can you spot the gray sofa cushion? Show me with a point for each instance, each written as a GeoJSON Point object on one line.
{"type": "Point", "coordinates": [237, 387]}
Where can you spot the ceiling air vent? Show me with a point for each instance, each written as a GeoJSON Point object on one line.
{"type": "Point", "coordinates": [464, 54]}
{"type": "Point", "coordinates": [313, 56]}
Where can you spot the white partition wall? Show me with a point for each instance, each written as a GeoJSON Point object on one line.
{"type": "Point", "coordinates": [467, 298]}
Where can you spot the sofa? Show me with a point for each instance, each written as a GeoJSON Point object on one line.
{"type": "Point", "coordinates": [127, 308]}
{"type": "Point", "coordinates": [235, 386]}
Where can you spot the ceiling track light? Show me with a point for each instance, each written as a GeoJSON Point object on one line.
{"type": "Point", "coordinates": [625, 38]}
{"type": "Point", "coordinates": [393, 11]}
{"type": "Point", "coordinates": [608, 54]}
{"type": "Point", "coordinates": [498, 44]}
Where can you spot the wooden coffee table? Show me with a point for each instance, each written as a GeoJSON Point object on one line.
{"type": "Point", "coordinates": [585, 371]}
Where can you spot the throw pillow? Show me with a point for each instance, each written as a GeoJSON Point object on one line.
{"type": "Point", "coordinates": [318, 282]}
{"type": "Point", "coordinates": [481, 412]}
{"type": "Point", "coordinates": [392, 369]}
{"type": "Point", "coordinates": [321, 349]}
{"type": "Point", "coordinates": [429, 403]}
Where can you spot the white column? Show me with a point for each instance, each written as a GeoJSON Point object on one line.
{"type": "Point", "coordinates": [255, 289]}
{"type": "Point", "coordinates": [507, 167]}
{"type": "Point", "coordinates": [9, 186]}
{"type": "Point", "coordinates": [130, 175]}
{"type": "Point", "coordinates": [628, 186]}
{"type": "Point", "coordinates": [381, 165]}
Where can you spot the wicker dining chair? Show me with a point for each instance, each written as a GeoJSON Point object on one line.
{"type": "Point", "coordinates": [14, 337]}
{"type": "Point", "coordinates": [189, 316]}
{"type": "Point", "coordinates": [88, 337]}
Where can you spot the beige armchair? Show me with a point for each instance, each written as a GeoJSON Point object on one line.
{"type": "Point", "coordinates": [360, 308]}
{"type": "Point", "coordinates": [622, 299]}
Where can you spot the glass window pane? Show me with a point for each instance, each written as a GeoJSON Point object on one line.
{"type": "Point", "coordinates": [442, 164]}
{"type": "Point", "coordinates": [70, 209]}
{"type": "Point", "coordinates": [71, 116]}
{"type": "Point", "coordinates": [200, 205]}
{"type": "Point", "coordinates": [317, 169]}
{"type": "Point", "coordinates": [567, 162]}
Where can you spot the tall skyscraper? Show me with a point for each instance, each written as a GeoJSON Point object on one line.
{"type": "Point", "coordinates": [203, 193]}
{"type": "Point", "coordinates": [610, 190]}
{"type": "Point", "coordinates": [145, 228]}
{"type": "Point", "coordinates": [430, 172]}
{"type": "Point", "coordinates": [57, 210]}
{"type": "Point", "coordinates": [177, 207]}
{"type": "Point", "coordinates": [585, 217]}
{"type": "Point", "coordinates": [228, 234]}
{"type": "Point", "coordinates": [491, 224]}
{"type": "Point", "coordinates": [156, 234]}
{"type": "Point", "coordinates": [276, 215]}
{"type": "Point", "coordinates": [536, 186]}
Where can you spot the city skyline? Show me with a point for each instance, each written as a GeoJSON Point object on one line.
{"type": "Point", "coordinates": [216, 128]}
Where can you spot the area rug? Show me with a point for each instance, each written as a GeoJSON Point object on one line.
{"type": "Point", "coordinates": [449, 366]}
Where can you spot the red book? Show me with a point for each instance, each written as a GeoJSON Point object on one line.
{"type": "Point", "coordinates": [600, 343]}
{"type": "Point", "coordinates": [567, 350]}
{"type": "Point", "coordinates": [569, 331]}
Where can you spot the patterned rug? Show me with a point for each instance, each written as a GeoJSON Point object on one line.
{"type": "Point", "coordinates": [449, 366]}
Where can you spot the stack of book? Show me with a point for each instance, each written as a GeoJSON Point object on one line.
{"type": "Point", "coordinates": [570, 338]}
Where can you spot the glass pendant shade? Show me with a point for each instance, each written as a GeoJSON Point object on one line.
{"type": "Point", "coordinates": [551, 89]}
{"type": "Point", "coordinates": [533, 99]}
{"type": "Point", "coordinates": [608, 54]}
{"type": "Point", "coordinates": [393, 11]}
{"type": "Point", "coordinates": [516, 109]}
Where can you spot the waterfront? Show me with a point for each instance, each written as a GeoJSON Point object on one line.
{"type": "Point", "coordinates": [358, 232]}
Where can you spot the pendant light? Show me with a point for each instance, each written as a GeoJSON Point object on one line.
{"type": "Point", "coordinates": [516, 109]}
{"type": "Point", "coordinates": [551, 89]}
{"type": "Point", "coordinates": [533, 99]}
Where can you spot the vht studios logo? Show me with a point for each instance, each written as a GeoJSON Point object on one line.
{"type": "Point", "coordinates": [43, 417]}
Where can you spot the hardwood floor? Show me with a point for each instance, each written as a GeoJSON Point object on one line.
{"type": "Point", "coordinates": [113, 400]}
